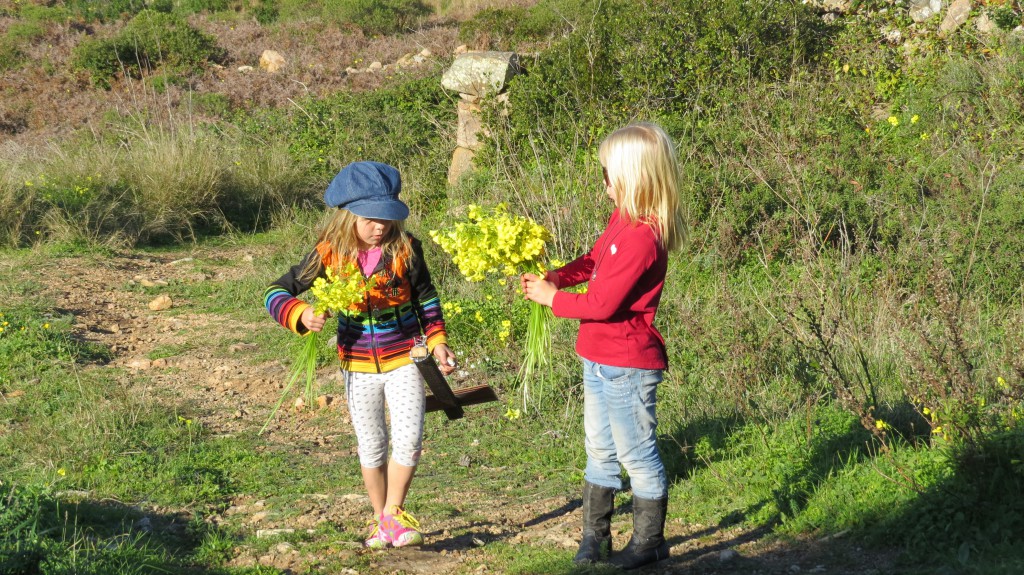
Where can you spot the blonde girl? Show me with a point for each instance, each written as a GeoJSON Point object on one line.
{"type": "Point", "coordinates": [400, 310]}
{"type": "Point", "coordinates": [623, 354]}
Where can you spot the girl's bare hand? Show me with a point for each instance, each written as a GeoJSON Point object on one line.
{"type": "Point", "coordinates": [312, 321]}
{"type": "Point", "coordinates": [538, 290]}
{"type": "Point", "coordinates": [446, 361]}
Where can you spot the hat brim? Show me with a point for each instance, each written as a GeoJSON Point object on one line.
{"type": "Point", "coordinates": [380, 209]}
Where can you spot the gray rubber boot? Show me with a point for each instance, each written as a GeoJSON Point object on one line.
{"type": "Point", "coordinates": [647, 544]}
{"type": "Point", "coordinates": [598, 503]}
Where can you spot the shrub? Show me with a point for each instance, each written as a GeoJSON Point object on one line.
{"type": "Point", "coordinates": [149, 40]}
{"type": "Point", "coordinates": [195, 6]}
{"type": "Point", "coordinates": [508, 28]}
{"type": "Point", "coordinates": [90, 10]}
{"type": "Point", "coordinates": [662, 58]}
{"type": "Point", "coordinates": [377, 16]}
{"type": "Point", "coordinates": [328, 133]}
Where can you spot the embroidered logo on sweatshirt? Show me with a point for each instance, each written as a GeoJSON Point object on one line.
{"type": "Point", "coordinates": [614, 249]}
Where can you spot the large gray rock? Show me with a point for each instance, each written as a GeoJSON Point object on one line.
{"type": "Point", "coordinates": [921, 10]}
{"type": "Point", "coordinates": [481, 73]}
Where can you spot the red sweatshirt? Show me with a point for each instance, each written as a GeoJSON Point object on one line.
{"type": "Point", "coordinates": [626, 270]}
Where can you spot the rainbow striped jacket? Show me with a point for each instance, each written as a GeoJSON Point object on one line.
{"type": "Point", "coordinates": [377, 335]}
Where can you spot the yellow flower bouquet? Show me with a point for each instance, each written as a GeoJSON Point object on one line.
{"type": "Point", "coordinates": [496, 242]}
{"type": "Point", "coordinates": [337, 292]}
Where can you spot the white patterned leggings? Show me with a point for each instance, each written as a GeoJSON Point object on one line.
{"type": "Point", "coordinates": [402, 389]}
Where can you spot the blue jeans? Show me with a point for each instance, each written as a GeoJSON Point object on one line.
{"type": "Point", "coordinates": [620, 423]}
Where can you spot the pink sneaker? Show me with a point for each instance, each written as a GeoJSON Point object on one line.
{"type": "Point", "coordinates": [377, 539]}
{"type": "Point", "coordinates": [400, 529]}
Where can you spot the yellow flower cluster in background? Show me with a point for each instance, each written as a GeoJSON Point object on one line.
{"type": "Point", "coordinates": [339, 291]}
{"type": "Point", "coordinates": [494, 242]}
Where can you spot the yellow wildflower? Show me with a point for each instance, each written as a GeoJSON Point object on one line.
{"type": "Point", "coordinates": [339, 291]}
{"type": "Point", "coordinates": [491, 241]}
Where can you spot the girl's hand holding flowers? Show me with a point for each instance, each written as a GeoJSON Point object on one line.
{"type": "Point", "coordinates": [312, 320]}
{"type": "Point", "coordinates": [539, 290]}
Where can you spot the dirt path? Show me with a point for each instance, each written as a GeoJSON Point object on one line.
{"type": "Point", "coordinates": [233, 393]}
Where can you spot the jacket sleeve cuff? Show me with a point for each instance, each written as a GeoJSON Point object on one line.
{"type": "Point", "coordinates": [436, 338]}
{"type": "Point", "coordinates": [294, 318]}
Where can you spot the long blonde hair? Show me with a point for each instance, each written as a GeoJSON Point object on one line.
{"type": "Point", "coordinates": [338, 235]}
{"type": "Point", "coordinates": [640, 163]}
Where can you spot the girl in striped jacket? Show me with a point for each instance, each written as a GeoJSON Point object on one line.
{"type": "Point", "coordinates": [375, 339]}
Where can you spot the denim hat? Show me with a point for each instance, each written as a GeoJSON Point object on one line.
{"type": "Point", "coordinates": [368, 189]}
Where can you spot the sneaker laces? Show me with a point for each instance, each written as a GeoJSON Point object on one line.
{"type": "Point", "coordinates": [405, 519]}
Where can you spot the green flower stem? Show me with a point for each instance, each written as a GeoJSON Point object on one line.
{"type": "Point", "coordinates": [305, 364]}
{"type": "Point", "coordinates": [537, 356]}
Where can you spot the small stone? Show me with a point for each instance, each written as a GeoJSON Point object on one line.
{"type": "Point", "coordinates": [146, 283]}
{"type": "Point", "coordinates": [161, 303]}
{"type": "Point", "coordinates": [140, 363]}
{"type": "Point", "coordinates": [159, 362]}
{"type": "Point", "coordinates": [465, 460]}
{"type": "Point", "coordinates": [727, 555]}
{"type": "Point", "coordinates": [257, 517]}
{"type": "Point", "coordinates": [272, 61]}
{"type": "Point", "coordinates": [375, 66]}
{"type": "Point", "coordinates": [15, 393]}
{"type": "Point", "coordinates": [264, 533]}
{"type": "Point", "coordinates": [324, 401]}
{"type": "Point", "coordinates": [238, 347]}
{"type": "Point", "coordinates": [299, 404]}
